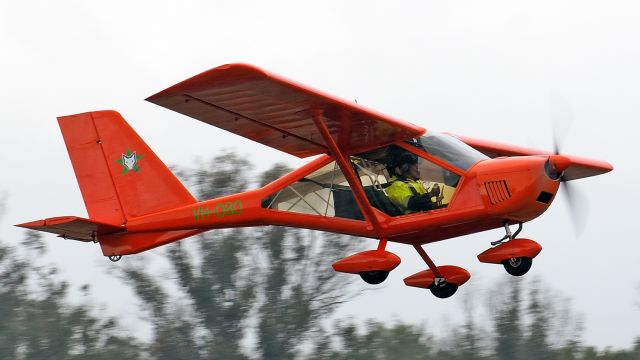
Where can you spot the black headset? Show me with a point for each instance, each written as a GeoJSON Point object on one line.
{"type": "Point", "coordinates": [405, 161]}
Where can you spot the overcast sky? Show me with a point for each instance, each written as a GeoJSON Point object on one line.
{"type": "Point", "coordinates": [487, 69]}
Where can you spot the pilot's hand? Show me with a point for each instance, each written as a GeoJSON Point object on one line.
{"type": "Point", "coordinates": [435, 191]}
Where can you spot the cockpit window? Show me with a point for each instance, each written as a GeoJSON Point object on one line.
{"type": "Point", "coordinates": [449, 149]}
{"type": "Point", "coordinates": [395, 181]}
{"type": "Point", "coordinates": [324, 192]}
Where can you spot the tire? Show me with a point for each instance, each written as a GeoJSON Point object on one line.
{"type": "Point", "coordinates": [443, 291]}
{"type": "Point", "coordinates": [517, 266]}
{"type": "Point", "coordinates": [374, 277]}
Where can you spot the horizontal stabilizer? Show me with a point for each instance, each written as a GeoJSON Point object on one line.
{"type": "Point", "coordinates": [73, 227]}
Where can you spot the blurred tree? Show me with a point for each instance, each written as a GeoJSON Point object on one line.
{"type": "Point", "coordinates": [225, 174]}
{"type": "Point", "coordinates": [220, 294]}
{"type": "Point", "coordinates": [13, 294]}
{"type": "Point", "coordinates": [521, 329]}
{"type": "Point", "coordinates": [39, 323]}
{"type": "Point", "coordinates": [507, 320]}
{"type": "Point", "coordinates": [376, 342]}
{"type": "Point", "coordinates": [299, 287]}
{"type": "Point", "coordinates": [173, 334]}
{"type": "Point", "coordinates": [465, 341]}
{"type": "Point", "coordinates": [590, 353]}
{"type": "Point", "coordinates": [536, 345]}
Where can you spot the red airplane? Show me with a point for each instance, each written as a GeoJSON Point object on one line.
{"type": "Point", "coordinates": [464, 185]}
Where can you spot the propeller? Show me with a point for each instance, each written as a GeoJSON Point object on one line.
{"type": "Point", "coordinates": [562, 117]}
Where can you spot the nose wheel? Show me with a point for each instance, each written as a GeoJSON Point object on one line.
{"type": "Point", "coordinates": [516, 255]}
{"type": "Point", "coordinates": [115, 258]}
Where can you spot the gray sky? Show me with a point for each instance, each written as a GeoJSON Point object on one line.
{"type": "Point", "coordinates": [487, 69]}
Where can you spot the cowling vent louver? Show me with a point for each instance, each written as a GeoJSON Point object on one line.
{"type": "Point", "coordinates": [498, 191]}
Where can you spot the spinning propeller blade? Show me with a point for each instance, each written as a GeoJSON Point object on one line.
{"type": "Point", "coordinates": [578, 206]}
{"type": "Point", "coordinates": [562, 117]}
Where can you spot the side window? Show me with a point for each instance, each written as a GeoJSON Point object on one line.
{"type": "Point", "coordinates": [324, 192]}
{"type": "Point", "coordinates": [398, 182]}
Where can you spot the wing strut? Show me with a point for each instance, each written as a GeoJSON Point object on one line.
{"type": "Point", "coordinates": [352, 179]}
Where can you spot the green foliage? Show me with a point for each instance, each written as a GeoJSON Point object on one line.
{"type": "Point", "coordinates": [535, 343]}
{"type": "Point", "coordinates": [507, 322]}
{"type": "Point", "coordinates": [227, 173]}
{"type": "Point", "coordinates": [38, 323]}
{"type": "Point", "coordinates": [376, 341]}
{"type": "Point", "coordinates": [465, 342]}
{"type": "Point", "coordinates": [590, 353]}
{"type": "Point", "coordinates": [299, 287]}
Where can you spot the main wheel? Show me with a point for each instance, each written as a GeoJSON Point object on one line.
{"type": "Point", "coordinates": [374, 277]}
{"type": "Point", "coordinates": [115, 258]}
{"type": "Point", "coordinates": [443, 290]}
{"type": "Point", "coordinates": [517, 266]}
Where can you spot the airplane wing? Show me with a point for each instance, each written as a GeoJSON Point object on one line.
{"type": "Point", "coordinates": [580, 167]}
{"type": "Point", "coordinates": [277, 112]}
{"type": "Point", "coordinates": [73, 227]}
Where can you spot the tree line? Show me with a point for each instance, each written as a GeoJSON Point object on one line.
{"type": "Point", "coordinates": [263, 293]}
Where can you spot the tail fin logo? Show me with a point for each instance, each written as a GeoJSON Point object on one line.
{"type": "Point", "coordinates": [129, 161]}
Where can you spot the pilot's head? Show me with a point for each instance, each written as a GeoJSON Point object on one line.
{"type": "Point", "coordinates": [407, 166]}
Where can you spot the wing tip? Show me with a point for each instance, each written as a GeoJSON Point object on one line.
{"type": "Point", "coordinates": [47, 222]}
{"type": "Point", "coordinates": [245, 68]}
{"type": "Point", "coordinates": [31, 224]}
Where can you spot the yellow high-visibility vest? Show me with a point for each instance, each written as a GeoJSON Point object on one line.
{"type": "Point", "coordinates": [399, 192]}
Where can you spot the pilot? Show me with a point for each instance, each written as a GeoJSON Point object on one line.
{"type": "Point", "coordinates": [407, 191]}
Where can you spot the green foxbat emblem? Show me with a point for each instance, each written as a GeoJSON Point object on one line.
{"type": "Point", "coordinates": [129, 161]}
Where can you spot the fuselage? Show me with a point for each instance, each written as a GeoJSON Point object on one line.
{"type": "Point", "coordinates": [490, 193]}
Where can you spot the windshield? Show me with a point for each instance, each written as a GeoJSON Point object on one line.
{"type": "Point", "coordinates": [449, 149]}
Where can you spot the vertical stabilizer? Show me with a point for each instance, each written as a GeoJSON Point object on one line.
{"type": "Point", "coordinates": [119, 176]}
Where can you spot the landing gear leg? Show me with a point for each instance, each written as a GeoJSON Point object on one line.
{"type": "Point", "coordinates": [115, 258]}
{"type": "Point", "coordinates": [508, 235]}
{"type": "Point", "coordinates": [440, 287]}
